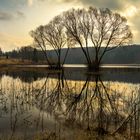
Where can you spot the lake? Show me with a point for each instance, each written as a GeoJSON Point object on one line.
{"type": "Point", "coordinates": [73, 104]}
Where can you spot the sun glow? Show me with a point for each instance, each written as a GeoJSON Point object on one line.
{"type": "Point", "coordinates": [130, 11]}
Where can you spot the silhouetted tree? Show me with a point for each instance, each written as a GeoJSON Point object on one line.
{"type": "Point", "coordinates": [99, 28]}
{"type": "Point", "coordinates": [35, 56]}
{"type": "Point", "coordinates": [53, 36]}
{"type": "Point", "coordinates": [26, 52]}
{"type": "Point", "coordinates": [7, 56]}
{"type": "Point", "coordinates": [40, 42]}
{"type": "Point", "coordinates": [0, 52]}
{"type": "Point", "coordinates": [96, 28]}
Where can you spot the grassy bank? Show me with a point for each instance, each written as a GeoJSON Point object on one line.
{"type": "Point", "coordinates": [11, 61]}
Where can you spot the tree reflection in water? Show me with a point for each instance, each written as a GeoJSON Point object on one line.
{"type": "Point", "coordinates": [57, 107]}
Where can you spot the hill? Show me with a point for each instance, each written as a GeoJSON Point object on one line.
{"type": "Point", "coordinates": [121, 55]}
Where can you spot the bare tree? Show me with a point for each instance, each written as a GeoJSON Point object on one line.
{"type": "Point", "coordinates": [99, 28]}
{"type": "Point", "coordinates": [40, 41]}
{"type": "Point", "coordinates": [78, 34]}
{"type": "Point", "coordinates": [53, 36]}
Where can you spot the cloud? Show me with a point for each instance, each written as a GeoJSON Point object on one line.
{"type": "Point", "coordinates": [10, 42]}
{"type": "Point", "coordinates": [30, 2]}
{"type": "Point", "coordinates": [135, 26]}
{"type": "Point", "coordinates": [112, 4]}
{"type": "Point", "coordinates": [128, 8]}
{"type": "Point", "coordinates": [5, 15]}
{"type": "Point", "coordinates": [20, 14]}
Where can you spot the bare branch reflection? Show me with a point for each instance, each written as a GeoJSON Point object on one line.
{"type": "Point", "coordinates": [56, 106]}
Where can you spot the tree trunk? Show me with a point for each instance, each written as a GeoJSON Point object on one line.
{"type": "Point", "coordinates": [95, 65]}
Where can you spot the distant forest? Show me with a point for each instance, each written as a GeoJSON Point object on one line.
{"type": "Point", "coordinates": [122, 55]}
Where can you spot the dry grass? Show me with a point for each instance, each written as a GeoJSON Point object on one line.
{"type": "Point", "coordinates": [4, 61]}
{"type": "Point", "coordinates": [12, 61]}
{"type": "Point", "coordinates": [78, 135]}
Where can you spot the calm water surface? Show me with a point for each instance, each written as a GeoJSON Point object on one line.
{"type": "Point", "coordinates": [75, 104]}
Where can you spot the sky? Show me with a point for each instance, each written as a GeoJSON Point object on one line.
{"type": "Point", "coordinates": [19, 17]}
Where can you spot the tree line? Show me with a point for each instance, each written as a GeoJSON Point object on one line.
{"type": "Point", "coordinates": [24, 53]}
{"type": "Point", "coordinates": [123, 55]}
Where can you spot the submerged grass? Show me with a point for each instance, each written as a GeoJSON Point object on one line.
{"type": "Point", "coordinates": [46, 135]}
{"type": "Point", "coordinates": [78, 135]}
